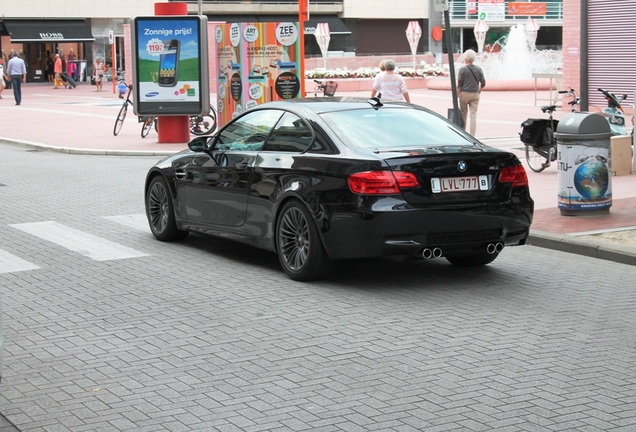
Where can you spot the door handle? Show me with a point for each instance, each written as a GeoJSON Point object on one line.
{"type": "Point", "coordinates": [241, 166]}
{"type": "Point", "coordinates": [180, 174]}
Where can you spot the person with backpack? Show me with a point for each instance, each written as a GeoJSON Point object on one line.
{"type": "Point", "coordinates": [470, 82]}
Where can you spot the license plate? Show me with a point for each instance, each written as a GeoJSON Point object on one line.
{"type": "Point", "coordinates": [459, 184]}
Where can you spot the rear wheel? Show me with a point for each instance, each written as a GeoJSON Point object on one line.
{"type": "Point", "coordinates": [536, 161]}
{"type": "Point", "coordinates": [160, 212]}
{"type": "Point", "coordinates": [475, 260]}
{"type": "Point", "coordinates": [120, 119]}
{"type": "Point", "coordinates": [203, 125]}
{"type": "Point", "coordinates": [300, 250]}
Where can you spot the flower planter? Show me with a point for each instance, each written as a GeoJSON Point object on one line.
{"type": "Point", "coordinates": [363, 84]}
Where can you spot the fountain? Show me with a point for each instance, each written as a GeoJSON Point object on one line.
{"type": "Point", "coordinates": [510, 63]}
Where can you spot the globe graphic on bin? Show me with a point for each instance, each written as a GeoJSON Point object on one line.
{"type": "Point", "coordinates": [591, 179]}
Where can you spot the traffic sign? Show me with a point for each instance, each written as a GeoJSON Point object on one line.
{"type": "Point", "coordinates": [440, 5]}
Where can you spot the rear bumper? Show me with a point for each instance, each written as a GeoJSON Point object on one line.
{"type": "Point", "coordinates": [389, 227]}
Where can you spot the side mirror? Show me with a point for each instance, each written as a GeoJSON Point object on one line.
{"type": "Point", "coordinates": [199, 144]}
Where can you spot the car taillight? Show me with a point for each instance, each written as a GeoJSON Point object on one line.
{"type": "Point", "coordinates": [514, 174]}
{"type": "Point", "coordinates": [381, 182]}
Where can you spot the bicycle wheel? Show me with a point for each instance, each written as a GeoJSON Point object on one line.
{"type": "Point", "coordinates": [539, 159]}
{"type": "Point", "coordinates": [147, 125]}
{"type": "Point", "coordinates": [536, 161]}
{"type": "Point", "coordinates": [120, 118]}
{"type": "Point", "coordinates": [203, 125]}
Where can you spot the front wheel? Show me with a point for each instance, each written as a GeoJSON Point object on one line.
{"type": "Point", "coordinates": [160, 212]}
{"type": "Point", "coordinates": [298, 244]}
{"type": "Point", "coordinates": [120, 118]}
{"type": "Point", "coordinates": [147, 125]}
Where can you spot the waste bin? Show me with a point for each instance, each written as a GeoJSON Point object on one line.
{"type": "Point", "coordinates": [584, 164]}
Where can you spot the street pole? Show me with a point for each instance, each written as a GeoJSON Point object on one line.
{"type": "Point", "coordinates": [584, 91]}
{"type": "Point", "coordinates": [451, 68]}
{"type": "Point", "coordinates": [303, 15]}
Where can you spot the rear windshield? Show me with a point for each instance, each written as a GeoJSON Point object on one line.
{"type": "Point", "coordinates": [394, 128]}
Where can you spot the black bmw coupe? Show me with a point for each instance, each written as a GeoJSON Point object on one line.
{"type": "Point", "coordinates": [326, 179]}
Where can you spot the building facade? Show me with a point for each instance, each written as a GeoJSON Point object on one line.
{"type": "Point", "coordinates": [358, 27]}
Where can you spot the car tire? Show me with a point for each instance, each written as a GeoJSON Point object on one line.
{"type": "Point", "coordinates": [298, 244]}
{"type": "Point", "coordinates": [472, 260]}
{"type": "Point", "coordinates": [160, 211]}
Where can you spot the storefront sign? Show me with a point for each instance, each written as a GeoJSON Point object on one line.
{"type": "Point", "coordinates": [527, 9]}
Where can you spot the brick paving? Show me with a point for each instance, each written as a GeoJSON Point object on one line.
{"type": "Point", "coordinates": [211, 335]}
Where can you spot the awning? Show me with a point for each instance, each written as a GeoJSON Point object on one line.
{"type": "Point", "coordinates": [49, 30]}
{"type": "Point", "coordinates": [336, 26]}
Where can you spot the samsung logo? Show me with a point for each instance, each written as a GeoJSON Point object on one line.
{"type": "Point", "coordinates": [152, 94]}
{"type": "Point", "coordinates": [51, 36]}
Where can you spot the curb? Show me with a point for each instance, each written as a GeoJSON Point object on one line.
{"type": "Point", "coordinates": [85, 151]}
{"type": "Point", "coordinates": [594, 249]}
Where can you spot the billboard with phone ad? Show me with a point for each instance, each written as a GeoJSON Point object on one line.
{"type": "Point", "coordinates": [170, 65]}
{"type": "Point", "coordinates": [257, 63]}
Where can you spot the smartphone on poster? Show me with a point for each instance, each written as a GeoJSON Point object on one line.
{"type": "Point", "coordinates": [168, 63]}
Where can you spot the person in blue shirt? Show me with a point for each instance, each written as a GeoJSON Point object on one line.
{"type": "Point", "coordinates": [16, 70]}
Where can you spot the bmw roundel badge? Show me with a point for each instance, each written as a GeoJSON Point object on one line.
{"type": "Point", "coordinates": [461, 166]}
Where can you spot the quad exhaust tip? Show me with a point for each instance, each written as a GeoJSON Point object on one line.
{"type": "Point", "coordinates": [429, 253]}
{"type": "Point", "coordinates": [494, 248]}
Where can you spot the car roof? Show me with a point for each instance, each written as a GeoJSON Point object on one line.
{"type": "Point", "coordinates": [330, 104]}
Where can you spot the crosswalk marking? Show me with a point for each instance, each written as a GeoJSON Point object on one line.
{"type": "Point", "coordinates": [78, 241]}
{"type": "Point", "coordinates": [134, 221]}
{"type": "Point", "coordinates": [11, 263]}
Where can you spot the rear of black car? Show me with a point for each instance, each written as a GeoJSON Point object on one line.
{"type": "Point", "coordinates": [439, 193]}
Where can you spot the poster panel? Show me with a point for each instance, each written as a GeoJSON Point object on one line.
{"type": "Point", "coordinates": [584, 181]}
{"type": "Point", "coordinates": [170, 65]}
{"type": "Point", "coordinates": [257, 63]}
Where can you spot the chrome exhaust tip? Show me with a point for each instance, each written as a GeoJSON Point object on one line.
{"type": "Point", "coordinates": [437, 252]}
{"type": "Point", "coordinates": [494, 247]}
{"type": "Point", "coordinates": [427, 254]}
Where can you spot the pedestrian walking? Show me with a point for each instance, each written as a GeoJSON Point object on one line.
{"type": "Point", "coordinates": [16, 69]}
{"type": "Point", "coordinates": [378, 77]}
{"type": "Point", "coordinates": [391, 85]}
{"type": "Point", "coordinates": [3, 76]}
{"type": "Point", "coordinates": [99, 69]}
{"type": "Point", "coordinates": [470, 81]}
{"type": "Point", "coordinates": [58, 72]}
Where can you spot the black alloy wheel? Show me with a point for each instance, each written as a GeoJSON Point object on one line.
{"type": "Point", "coordinates": [298, 244]}
{"type": "Point", "coordinates": [160, 212]}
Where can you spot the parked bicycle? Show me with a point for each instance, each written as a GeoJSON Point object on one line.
{"type": "Point", "coordinates": [576, 100]}
{"type": "Point", "coordinates": [327, 89]}
{"type": "Point", "coordinates": [119, 122]}
{"type": "Point", "coordinates": [538, 136]}
{"type": "Point", "coordinates": [199, 124]}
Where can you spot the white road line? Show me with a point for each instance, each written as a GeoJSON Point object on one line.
{"type": "Point", "coordinates": [134, 221]}
{"type": "Point", "coordinates": [11, 263]}
{"type": "Point", "coordinates": [78, 241]}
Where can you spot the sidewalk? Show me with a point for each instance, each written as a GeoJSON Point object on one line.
{"type": "Point", "coordinates": [81, 121]}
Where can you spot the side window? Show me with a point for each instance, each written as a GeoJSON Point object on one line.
{"type": "Point", "coordinates": [291, 134]}
{"type": "Point", "coordinates": [249, 132]}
